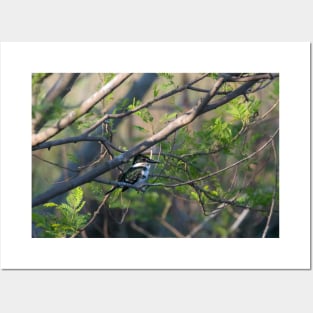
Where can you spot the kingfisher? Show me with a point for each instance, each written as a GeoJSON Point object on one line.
{"type": "Point", "coordinates": [138, 173]}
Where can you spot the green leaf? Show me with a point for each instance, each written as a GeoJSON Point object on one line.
{"type": "Point", "coordinates": [75, 197]}
{"type": "Point", "coordinates": [79, 208]}
{"type": "Point", "coordinates": [168, 116]}
{"type": "Point", "coordinates": [65, 209]}
{"type": "Point", "coordinates": [67, 220]}
{"type": "Point", "coordinates": [73, 158]}
{"type": "Point", "coordinates": [139, 128]}
{"type": "Point", "coordinates": [50, 204]}
{"type": "Point", "coordinates": [39, 220]}
{"type": "Point", "coordinates": [213, 75]}
{"type": "Point", "coordinates": [169, 80]}
{"type": "Point", "coordinates": [194, 196]}
{"type": "Point", "coordinates": [134, 104]}
{"type": "Point", "coordinates": [206, 188]}
{"type": "Point", "coordinates": [121, 106]}
{"type": "Point", "coordinates": [214, 193]}
{"type": "Point", "coordinates": [107, 77]}
{"type": "Point", "coordinates": [222, 231]}
{"type": "Point", "coordinates": [276, 87]}
{"type": "Point", "coordinates": [242, 199]}
{"type": "Point", "coordinates": [145, 115]}
{"type": "Point", "coordinates": [155, 90]}
{"type": "Point", "coordinates": [38, 77]}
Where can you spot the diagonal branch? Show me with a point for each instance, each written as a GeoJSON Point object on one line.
{"type": "Point", "coordinates": [84, 108]}
{"type": "Point", "coordinates": [234, 78]}
{"type": "Point", "coordinates": [223, 169]}
{"type": "Point", "coordinates": [84, 136]}
{"type": "Point", "coordinates": [143, 105]}
{"type": "Point", "coordinates": [58, 91]}
{"type": "Point", "coordinates": [242, 90]}
{"type": "Point", "coordinates": [181, 121]}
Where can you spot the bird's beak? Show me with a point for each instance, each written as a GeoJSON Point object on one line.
{"type": "Point", "coordinates": [152, 161]}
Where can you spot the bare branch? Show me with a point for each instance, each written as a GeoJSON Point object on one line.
{"type": "Point", "coordinates": [140, 230]}
{"type": "Point", "coordinates": [274, 193]}
{"type": "Point", "coordinates": [239, 220]}
{"type": "Point", "coordinates": [121, 184]}
{"type": "Point", "coordinates": [231, 78]}
{"type": "Point", "coordinates": [55, 164]}
{"type": "Point", "coordinates": [270, 110]}
{"type": "Point", "coordinates": [203, 106]}
{"type": "Point", "coordinates": [58, 91]}
{"type": "Point", "coordinates": [74, 139]}
{"type": "Point", "coordinates": [181, 121]}
{"type": "Point", "coordinates": [84, 108]}
{"type": "Point", "coordinates": [143, 105]}
{"type": "Point", "coordinates": [212, 214]}
{"type": "Point", "coordinates": [171, 228]}
{"type": "Point", "coordinates": [243, 89]}
{"type": "Point", "coordinates": [84, 137]}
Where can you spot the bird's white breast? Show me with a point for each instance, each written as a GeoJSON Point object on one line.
{"type": "Point", "coordinates": [144, 172]}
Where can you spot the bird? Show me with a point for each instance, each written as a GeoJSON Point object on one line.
{"type": "Point", "coordinates": [138, 173]}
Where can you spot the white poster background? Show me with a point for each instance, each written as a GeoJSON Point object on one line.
{"type": "Point", "coordinates": [290, 251]}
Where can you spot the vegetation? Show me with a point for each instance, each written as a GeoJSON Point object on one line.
{"type": "Point", "coordinates": [66, 220]}
{"type": "Point", "coordinates": [215, 136]}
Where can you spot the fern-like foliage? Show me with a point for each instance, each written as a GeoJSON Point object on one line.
{"type": "Point", "coordinates": [65, 219]}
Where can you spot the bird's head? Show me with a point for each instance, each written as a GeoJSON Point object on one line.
{"type": "Point", "coordinates": [140, 158]}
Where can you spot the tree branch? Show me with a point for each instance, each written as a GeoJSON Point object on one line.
{"type": "Point", "coordinates": [58, 91]}
{"type": "Point", "coordinates": [234, 78]}
{"type": "Point", "coordinates": [223, 169]}
{"type": "Point", "coordinates": [274, 193]}
{"type": "Point", "coordinates": [181, 121]}
{"type": "Point", "coordinates": [243, 89]}
{"type": "Point", "coordinates": [143, 105]}
{"type": "Point", "coordinates": [74, 139]}
{"type": "Point", "coordinates": [84, 108]}
{"type": "Point", "coordinates": [84, 136]}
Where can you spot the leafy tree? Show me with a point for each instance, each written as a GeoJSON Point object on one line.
{"type": "Point", "coordinates": [215, 135]}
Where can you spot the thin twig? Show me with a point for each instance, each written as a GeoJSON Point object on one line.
{"type": "Point", "coordinates": [223, 169]}
{"type": "Point", "coordinates": [239, 220]}
{"type": "Point", "coordinates": [171, 228]}
{"type": "Point", "coordinates": [140, 230]}
{"type": "Point", "coordinates": [197, 228]}
{"type": "Point", "coordinates": [143, 105]}
{"type": "Point", "coordinates": [95, 214]}
{"type": "Point", "coordinates": [55, 164]}
{"type": "Point", "coordinates": [270, 110]}
{"type": "Point", "coordinates": [230, 78]}
{"type": "Point", "coordinates": [53, 143]}
{"type": "Point", "coordinates": [274, 193]}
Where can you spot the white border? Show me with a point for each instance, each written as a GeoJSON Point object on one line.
{"type": "Point", "coordinates": [290, 251]}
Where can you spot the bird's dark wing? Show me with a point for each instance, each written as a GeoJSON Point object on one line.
{"type": "Point", "coordinates": [131, 175]}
